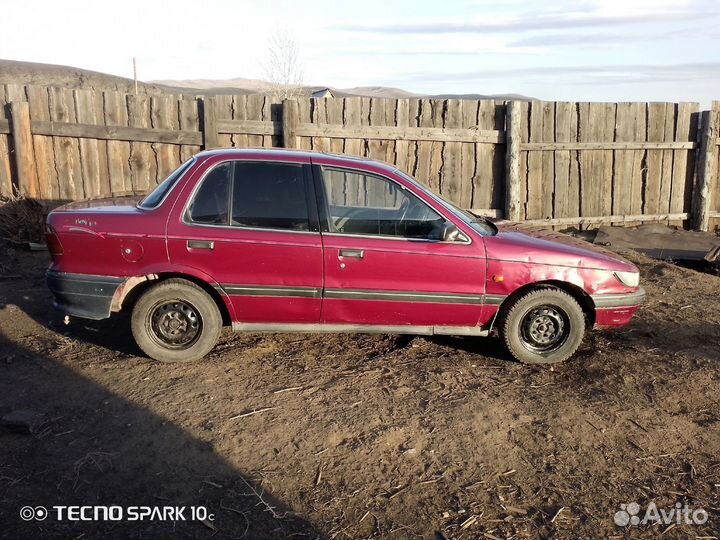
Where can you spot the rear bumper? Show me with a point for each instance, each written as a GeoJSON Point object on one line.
{"type": "Point", "coordinates": [83, 295]}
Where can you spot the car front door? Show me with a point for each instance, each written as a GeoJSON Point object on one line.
{"type": "Point", "coordinates": [248, 225]}
{"type": "Point", "coordinates": [385, 260]}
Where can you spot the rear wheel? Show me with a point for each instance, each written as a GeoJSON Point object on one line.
{"type": "Point", "coordinates": [176, 321]}
{"type": "Point", "coordinates": [543, 326]}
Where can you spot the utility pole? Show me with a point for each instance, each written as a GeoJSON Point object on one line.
{"type": "Point", "coordinates": [135, 74]}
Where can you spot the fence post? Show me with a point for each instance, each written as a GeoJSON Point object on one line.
{"type": "Point", "coordinates": [290, 119]}
{"type": "Point", "coordinates": [24, 154]}
{"type": "Point", "coordinates": [512, 161]}
{"type": "Point", "coordinates": [209, 122]}
{"type": "Point", "coordinates": [705, 168]}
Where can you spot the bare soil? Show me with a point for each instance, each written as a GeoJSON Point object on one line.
{"type": "Point", "coordinates": [355, 436]}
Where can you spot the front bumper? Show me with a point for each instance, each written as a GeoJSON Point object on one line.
{"type": "Point", "coordinates": [83, 295]}
{"type": "Point", "coordinates": [603, 301]}
{"type": "Point", "coordinates": [612, 310]}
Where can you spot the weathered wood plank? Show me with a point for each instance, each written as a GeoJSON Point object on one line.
{"type": "Point", "coordinates": [402, 148]}
{"type": "Point", "coordinates": [563, 134]}
{"type": "Point", "coordinates": [437, 108]}
{"type": "Point", "coordinates": [143, 164]}
{"type": "Point", "coordinates": [624, 160]}
{"type": "Point", "coordinates": [291, 116]}
{"type": "Point", "coordinates": [547, 189]}
{"type": "Point", "coordinates": [704, 196]}
{"type": "Point", "coordinates": [424, 149]}
{"type": "Point", "coordinates": [6, 181]}
{"type": "Point", "coordinates": [451, 163]}
{"type": "Point", "coordinates": [240, 138]}
{"type": "Point", "coordinates": [535, 163]}
{"type": "Point", "coordinates": [66, 149]}
{"type": "Point", "coordinates": [318, 110]}
{"type": "Point", "coordinates": [255, 108]}
{"type": "Point", "coordinates": [677, 145]}
{"type": "Point", "coordinates": [656, 132]}
{"type": "Point", "coordinates": [483, 180]}
{"type": "Point", "coordinates": [468, 156]}
{"type": "Point", "coordinates": [593, 220]}
{"type": "Point", "coordinates": [89, 150]}
{"type": "Point", "coordinates": [608, 116]}
{"type": "Point", "coordinates": [224, 112]}
{"type": "Point", "coordinates": [164, 115]}
{"type": "Point", "coordinates": [667, 159]}
{"type": "Point", "coordinates": [44, 155]}
{"type": "Point", "coordinates": [513, 161]}
{"type": "Point", "coordinates": [116, 133]}
{"type": "Point", "coordinates": [24, 150]}
{"type": "Point", "coordinates": [118, 153]}
{"type": "Point", "coordinates": [208, 112]}
{"type": "Point", "coordinates": [189, 121]}
{"type": "Point", "coordinates": [304, 117]}
{"type": "Point", "coordinates": [683, 162]}
{"type": "Point", "coordinates": [354, 189]}
{"type": "Point", "coordinates": [377, 194]}
{"type": "Point", "coordinates": [379, 132]}
{"type": "Point", "coordinates": [639, 113]}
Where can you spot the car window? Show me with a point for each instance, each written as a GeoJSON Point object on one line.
{"type": "Point", "coordinates": [269, 195]}
{"type": "Point", "coordinates": [155, 197]}
{"type": "Point", "coordinates": [366, 204]}
{"type": "Point", "coordinates": [210, 204]}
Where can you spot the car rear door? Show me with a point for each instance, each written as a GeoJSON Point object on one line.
{"type": "Point", "coordinates": [248, 225]}
{"type": "Point", "coordinates": [385, 262]}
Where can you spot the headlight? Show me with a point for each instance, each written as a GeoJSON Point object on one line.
{"type": "Point", "coordinates": [629, 279]}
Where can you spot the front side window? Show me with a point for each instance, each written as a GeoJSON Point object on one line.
{"type": "Point", "coordinates": [252, 194]}
{"type": "Point", "coordinates": [366, 204]}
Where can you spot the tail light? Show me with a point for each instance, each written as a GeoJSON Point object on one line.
{"type": "Point", "coordinates": [53, 241]}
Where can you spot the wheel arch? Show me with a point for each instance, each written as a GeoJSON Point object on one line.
{"type": "Point", "coordinates": [582, 298]}
{"type": "Point", "coordinates": [128, 293]}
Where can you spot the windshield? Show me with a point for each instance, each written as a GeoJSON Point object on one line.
{"type": "Point", "coordinates": [156, 196]}
{"type": "Point", "coordinates": [478, 223]}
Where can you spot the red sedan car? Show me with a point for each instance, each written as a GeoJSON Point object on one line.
{"type": "Point", "coordinates": [276, 240]}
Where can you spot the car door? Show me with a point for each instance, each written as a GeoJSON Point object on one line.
{"type": "Point", "coordinates": [385, 262]}
{"type": "Point", "coordinates": [248, 225]}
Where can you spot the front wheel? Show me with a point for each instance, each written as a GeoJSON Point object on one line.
{"type": "Point", "coordinates": [176, 321]}
{"type": "Point", "coordinates": [543, 326]}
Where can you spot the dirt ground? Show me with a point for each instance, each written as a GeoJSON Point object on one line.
{"type": "Point", "coordinates": [358, 436]}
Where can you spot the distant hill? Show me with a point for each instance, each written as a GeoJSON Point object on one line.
{"type": "Point", "coordinates": [15, 72]}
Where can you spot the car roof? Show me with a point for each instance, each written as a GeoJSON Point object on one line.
{"type": "Point", "coordinates": [284, 154]}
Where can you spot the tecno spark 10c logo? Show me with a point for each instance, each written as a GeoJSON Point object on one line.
{"type": "Point", "coordinates": [631, 514]}
{"type": "Point", "coordinates": [117, 513]}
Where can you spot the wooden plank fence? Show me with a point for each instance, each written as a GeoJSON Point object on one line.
{"type": "Point", "coordinates": [553, 163]}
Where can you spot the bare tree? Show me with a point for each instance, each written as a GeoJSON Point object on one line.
{"type": "Point", "coordinates": [283, 68]}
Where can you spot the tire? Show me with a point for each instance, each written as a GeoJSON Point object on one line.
{"type": "Point", "coordinates": [543, 326]}
{"type": "Point", "coordinates": [176, 321]}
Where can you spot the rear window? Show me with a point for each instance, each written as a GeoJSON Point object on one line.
{"type": "Point", "coordinates": [156, 196]}
{"type": "Point", "coordinates": [252, 194]}
{"type": "Point", "coordinates": [269, 195]}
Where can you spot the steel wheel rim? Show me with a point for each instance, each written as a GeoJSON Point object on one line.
{"type": "Point", "coordinates": [544, 329]}
{"type": "Point", "coordinates": [175, 324]}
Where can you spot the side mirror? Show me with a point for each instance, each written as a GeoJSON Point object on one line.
{"type": "Point", "coordinates": [450, 233]}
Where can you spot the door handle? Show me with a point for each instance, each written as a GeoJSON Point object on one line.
{"type": "Point", "coordinates": [352, 253]}
{"type": "Point", "coordinates": [201, 244]}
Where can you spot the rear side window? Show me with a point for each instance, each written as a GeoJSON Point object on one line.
{"type": "Point", "coordinates": [252, 194]}
{"type": "Point", "coordinates": [210, 205]}
{"type": "Point", "coordinates": [269, 195]}
{"type": "Point", "coordinates": [155, 197]}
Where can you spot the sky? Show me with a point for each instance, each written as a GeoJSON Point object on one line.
{"type": "Point", "coordinates": [589, 50]}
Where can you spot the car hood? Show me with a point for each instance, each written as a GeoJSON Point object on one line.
{"type": "Point", "coordinates": [109, 204]}
{"type": "Point", "coordinates": [523, 243]}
